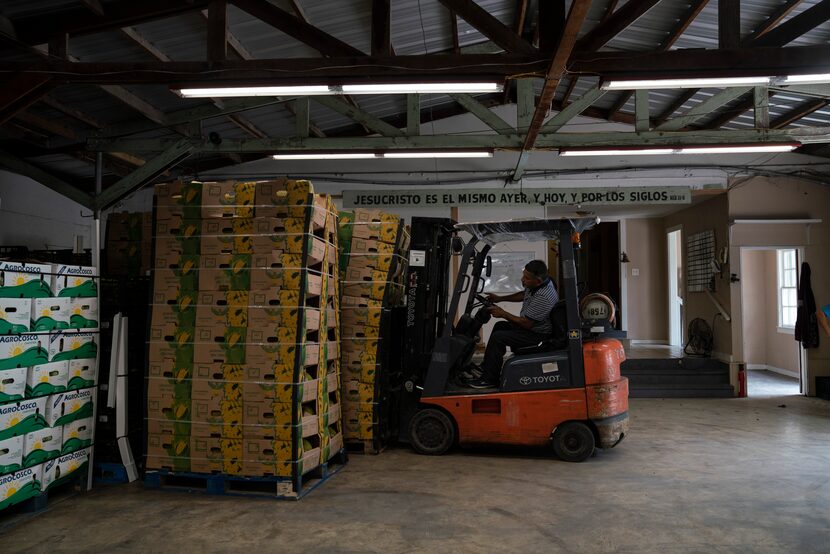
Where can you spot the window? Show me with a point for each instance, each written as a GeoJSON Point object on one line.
{"type": "Point", "coordinates": [787, 291]}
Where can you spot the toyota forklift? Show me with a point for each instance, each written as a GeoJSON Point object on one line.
{"type": "Point", "coordinates": [566, 392]}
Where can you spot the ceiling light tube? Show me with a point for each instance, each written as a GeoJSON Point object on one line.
{"type": "Point", "coordinates": [233, 92]}
{"type": "Point", "coordinates": [422, 88]}
{"type": "Point", "coordinates": [327, 156]}
{"type": "Point", "coordinates": [442, 154]}
{"type": "Point", "coordinates": [812, 79]}
{"type": "Point", "coordinates": [702, 149]}
{"type": "Point", "coordinates": [633, 84]}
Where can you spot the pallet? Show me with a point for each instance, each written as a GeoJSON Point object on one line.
{"type": "Point", "coordinates": [109, 473]}
{"type": "Point", "coordinates": [13, 514]}
{"type": "Point", "coordinates": [366, 446]}
{"type": "Point", "coordinates": [280, 488]}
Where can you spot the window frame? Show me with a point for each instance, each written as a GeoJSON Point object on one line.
{"type": "Point", "coordinates": [780, 261]}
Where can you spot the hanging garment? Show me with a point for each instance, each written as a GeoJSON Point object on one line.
{"type": "Point", "coordinates": [806, 323]}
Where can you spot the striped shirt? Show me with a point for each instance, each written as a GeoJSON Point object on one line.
{"type": "Point", "coordinates": [537, 306]}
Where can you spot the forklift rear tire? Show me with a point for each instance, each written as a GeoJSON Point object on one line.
{"type": "Point", "coordinates": [573, 442]}
{"type": "Point", "coordinates": [431, 432]}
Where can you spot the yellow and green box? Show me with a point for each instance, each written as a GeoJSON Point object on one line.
{"type": "Point", "coordinates": [25, 280]}
{"type": "Point", "coordinates": [15, 315]}
{"type": "Point", "coordinates": [46, 379]}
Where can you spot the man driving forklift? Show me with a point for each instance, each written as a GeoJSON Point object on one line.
{"type": "Point", "coordinates": [529, 328]}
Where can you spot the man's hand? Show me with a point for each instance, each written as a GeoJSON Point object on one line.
{"type": "Point", "coordinates": [493, 297]}
{"type": "Point", "coordinates": [497, 311]}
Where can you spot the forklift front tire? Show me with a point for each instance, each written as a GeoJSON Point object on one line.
{"type": "Point", "coordinates": [431, 432]}
{"type": "Point", "coordinates": [573, 441]}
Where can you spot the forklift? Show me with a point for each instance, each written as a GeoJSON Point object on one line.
{"type": "Point", "coordinates": [566, 391]}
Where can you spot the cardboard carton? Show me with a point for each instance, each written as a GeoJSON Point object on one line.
{"type": "Point", "coordinates": [21, 417]}
{"type": "Point", "coordinates": [15, 315]}
{"type": "Point", "coordinates": [82, 373]}
{"type": "Point", "coordinates": [178, 198]}
{"type": "Point", "coordinates": [41, 445]}
{"type": "Point", "coordinates": [83, 313]}
{"type": "Point", "coordinates": [355, 391]}
{"type": "Point", "coordinates": [74, 281]}
{"type": "Point", "coordinates": [25, 280]}
{"type": "Point", "coordinates": [77, 435]}
{"type": "Point", "coordinates": [19, 486]}
{"type": "Point", "coordinates": [225, 272]}
{"type": "Point", "coordinates": [269, 320]}
{"type": "Point", "coordinates": [206, 455]}
{"type": "Point", "coordinates": [227, 199]}
{"type": "Point", "coordinates": [370, 246]}
{"type": "Point", "coordinates": [228, 430]}
{"type": "Point", "coordinates": [215, 343]}
{"type": "Point", "coordinates": [270, 392]}
{"type": "Point", "coordinates": [347, 301]}
{"type": "Point", "coordinates": [360, 316]}
{"type": "Point", "coordinates": [168, 452]}
{"type": "Point", "coordinates": [46, 379]}
{"type": "Point", "coordinates": [376, 261]}
{"type": "Point", "coordinates": [50, 314]}
{"type": "Point", "coordinates": [72, 346]}
{"type": "Point", "coordinates": [11, 455]}
{"type": "Point", "coordinates": [268, 354]}
{"type": "Point", "coordinates": [173, 314]}
{"type": "Point", "coordinates": [66, 407]}
{"type": "Point", "coordinates": [128, 226]}
{"type": "Point", "coordinates": [13, 384]}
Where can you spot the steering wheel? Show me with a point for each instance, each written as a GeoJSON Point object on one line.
{"type": "Point", "coordinates": [482, 301]}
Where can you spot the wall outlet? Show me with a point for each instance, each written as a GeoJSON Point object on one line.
{"type": "Point", "coordinates": [635, 272]}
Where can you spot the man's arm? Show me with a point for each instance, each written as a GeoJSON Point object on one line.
{"type": "Point", "coordinates": [522, 322]}
{"type": "Point", "coordinates": [514, 297]}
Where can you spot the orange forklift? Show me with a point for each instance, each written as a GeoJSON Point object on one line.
{"type": "Point", "coordinates": [566, 392]}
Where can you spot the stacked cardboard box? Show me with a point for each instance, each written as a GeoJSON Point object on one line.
{"type": "Point", "coordinates": [373, 259]}
{"type": "Point", "coordinates": [129, 243]}
{"type": "Point", "coordinates": [48, 363]}
{"type": "Point", "coordinates": [243, 374]}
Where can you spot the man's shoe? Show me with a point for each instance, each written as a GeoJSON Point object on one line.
{"type": "Point", "coordinates": [472, 372]}
{"type": "Point", "coordinates": [481, 384]}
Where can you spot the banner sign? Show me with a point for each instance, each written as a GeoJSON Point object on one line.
{"type": "Point", "coordinates": [600, 196]}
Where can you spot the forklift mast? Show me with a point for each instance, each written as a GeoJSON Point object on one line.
{"type": "Point", "coordinates": [426, 290]}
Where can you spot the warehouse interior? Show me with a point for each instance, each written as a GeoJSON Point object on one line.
{"type": "Point", "coordinates": [180, 159]}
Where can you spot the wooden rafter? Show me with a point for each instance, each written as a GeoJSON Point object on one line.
{"type": "Point", "coordinates": [747, 103]}
{"type": "Point", "coordinates": [217, 31]}
{"type": "Point", "coordinates": [381, 25]}
{"type": "Point", "coordinates": [729, 23]}
{"type": "Point", "coordinates": [21, 91]}
{"type": "Point", "coordinates": [94, 6]}
{"type": "Point", "coordinates": [795, 27]}
{"type": "Point", "coordinates": [294, 26]}
{"type": "Point", "coordinates": [799, 112]}
{"type": "Point", "coordinates": [613, 25]}
{"type": "Point", "coordinates": [773, 19]}
{"type": "Point", "coordinates": [122, 13]}
{"type": "Point", "coordinates": [489, 26]}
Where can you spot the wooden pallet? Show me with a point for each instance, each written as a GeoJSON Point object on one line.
{"type": "Point", "coordinates": [283, 488]}
{"type": "Point", "coordinates": [16, 513]}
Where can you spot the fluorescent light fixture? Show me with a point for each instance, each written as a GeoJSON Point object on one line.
{"type": "Point", "coordinates": [422, 88]}
{"type": "Point", "coordinates": [319, 90]}
{"type": "Point", "coordinates": [739, 149]}
{"type": "Point", "coordinates": [327, 156]}
{"type": "Point", "coordinates": [444, 154]}
{"type": "Point", "coordinates": [617, 152]}
{"type": "Point", "coordinates": [703, 149]}
{"type": "Point", "coordinates": [813, 79]}
{"type": "Point", "coordinates": [229, 92]}
{"type": "Point", "coordinates": [633, 84]}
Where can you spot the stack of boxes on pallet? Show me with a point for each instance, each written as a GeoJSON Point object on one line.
{"type": "Point", "coordinates": [243, 357]}
{"type": "Point", "coordinates": [373, 259]}
{"type": "Point", "coordinates": [48, 366]}
{"type": "Point", "coordinates": [129, 244]}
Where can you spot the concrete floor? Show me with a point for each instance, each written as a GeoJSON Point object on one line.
{"type": "Point", "coordinates": [708, 475]}
{"type": "Point", "coordinates": [761, 382]}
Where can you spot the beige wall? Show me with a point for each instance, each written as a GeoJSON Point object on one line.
{"type": "Point", "coordinates": [782, 348]}
{"type": "Point", "coordinates": [710, 215]}
{"type": "Point", "coordinates": [768, 197]}
{"type": "Point", "coordinates": [645, 244]}
{"type": "Point", "coordinates": [755, 313]}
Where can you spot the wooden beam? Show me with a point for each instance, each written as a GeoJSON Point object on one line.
{"type": "Point", "coordinates": [150, 48]}
{"type": "Point", "coordinates": [641, 111]}
{"type": "Point", "coordinates": [436, 68]}
{"type": "Point", "coordinates": [799, 112]}
{"type": "Point", "coordinates": [46, 179]}
{"type": "Point", "coordinates": [484, 114]}
{"type": "Point", "coordinates": [56, 127]}
{"type": "Point", "coordinates": [73, 112]}
{"type": "Point", "coordinates": [217, 31]}
{"type": "Point", "coordinates": [576, 16]}
{"type": "Point", "coordinates": [569, 89]}
{"type": "Point", "coordinates": [413, 115]}
{"type": "Point", "coordinates": [94, 6]}
{"type": "Point", "coordinates": [703, 109]}
{"type": "Point", "coordinates": [301, 116]}
{"type": "Point", "coordinates": [733, 112]}
{"type": "Point", "coordinates": [246, 125]}
{"type": "Point", "coordinates": [489, 26]}
{"type": "Point", "coordinates": [525, 108]}
{"type": "Point", "coordinates": [772, 19]}
{"type": "Point", "coordinates": [21, 91]}
{"type": "Point", "coordinates": [381, 24]}
{"type": "Point", "coordinates": [121, 13]}
{"type": "Point", "coordinates": [144, 108]}
{"type": "Point", "coordinates": [297, 28]}
{"type": "Point", "coordinates": [795, 27]}
{"type": "Point", "coordinates": [59, 46]}
{"type": "Point", "coordinates": [572, 110]}
{"type": "Point", "coordinates": [729, 23]}
{"type": "Point", "coordinates": [364, 118]}
{"type": "Point", "coordinates": [678, 103]}
{"type": "Point", "coordinates": [760, 97]}
{"type": "Point", "coordinates": [456, 47]}
{"type": "Point", "coordinates": [600, 35]}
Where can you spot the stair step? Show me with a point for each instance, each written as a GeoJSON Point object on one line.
{"type": "Point", "coordinates": [681, 391]}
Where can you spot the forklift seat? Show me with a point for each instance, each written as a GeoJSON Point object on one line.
{"type": "Point", "coordinates": [558, 339]}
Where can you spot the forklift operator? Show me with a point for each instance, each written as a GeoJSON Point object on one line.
{"type": "Point", "coordinates": [529, 328]}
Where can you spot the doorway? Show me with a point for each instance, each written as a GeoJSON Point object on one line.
{"type": "Point", "coordinates": [598, 263]}
{"type": "Point", "coordinates": [769, 278]}
{"type": "Point", "coordinates": [674, 240]}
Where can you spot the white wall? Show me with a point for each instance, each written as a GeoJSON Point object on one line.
{"type": "Point", "coordinates": [39, 218]}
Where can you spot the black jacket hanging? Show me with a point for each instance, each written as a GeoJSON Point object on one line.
{"type": "Point", "coordinates": [806, 323]}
